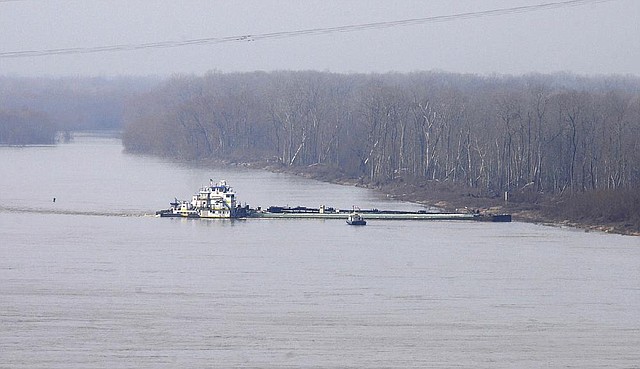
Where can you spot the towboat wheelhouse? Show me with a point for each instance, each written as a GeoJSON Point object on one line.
{"type": "Point", "coordinates": [215, 201]}
{"type": "Point", "coordinates": [218, 200]}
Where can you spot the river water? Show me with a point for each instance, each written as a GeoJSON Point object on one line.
{"type": "Point", "coordinates": [93, 280]}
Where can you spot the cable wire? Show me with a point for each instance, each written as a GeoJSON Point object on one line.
{"type": "Point", "coordinates": [298, 33]}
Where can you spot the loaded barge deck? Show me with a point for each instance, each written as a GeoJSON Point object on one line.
{"type": "Point", "coordinates": [278, 212]}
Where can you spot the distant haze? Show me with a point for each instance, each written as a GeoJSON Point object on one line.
{"type": "Point", "coordinates": [592, 38]}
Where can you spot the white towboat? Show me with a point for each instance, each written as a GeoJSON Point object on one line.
{"type": "Point", "coordinates": [214, 201]}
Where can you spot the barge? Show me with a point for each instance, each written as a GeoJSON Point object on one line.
{"type": "Point", "coordinates": [218, 200]}
{"type": "Point", "coordinates": [323, 212]}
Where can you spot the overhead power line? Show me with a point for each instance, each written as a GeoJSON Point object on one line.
{"type": "Point", "coordinates": [299, 33]}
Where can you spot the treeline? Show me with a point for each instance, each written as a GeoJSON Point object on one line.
{"type": "Point", "coordinates": [35, 110]}
{"type": "Point", "coordinates": [536, 133]}
{"type": "Point", "coordinates": [26, 128]}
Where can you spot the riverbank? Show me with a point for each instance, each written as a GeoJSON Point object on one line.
{"type": "Point", "coordinates": [547, 210]}
{"type": "Point", "coordinates": [524, 207]}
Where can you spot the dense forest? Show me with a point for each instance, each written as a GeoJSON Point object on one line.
{"type": "Point", "coordinates": [538, 133]}
{"type": "Point", "coordinates": [37, 110]}
{"type": "Point", "coordinates": [26, 128]}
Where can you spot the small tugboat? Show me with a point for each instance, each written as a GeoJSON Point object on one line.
{"type": "Point", "coordinates": [214, 201]}
{"type": "Point", "coordinates": [356, 219]}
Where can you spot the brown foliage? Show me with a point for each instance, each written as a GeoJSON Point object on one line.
{"type": "Point", "coordinates": [618, 207]}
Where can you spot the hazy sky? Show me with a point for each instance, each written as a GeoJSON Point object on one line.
{"type": "Point", "coordinates": [593, 38]}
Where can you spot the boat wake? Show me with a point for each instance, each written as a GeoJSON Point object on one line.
{"type": "Point", "coordinates": [21, 209]}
